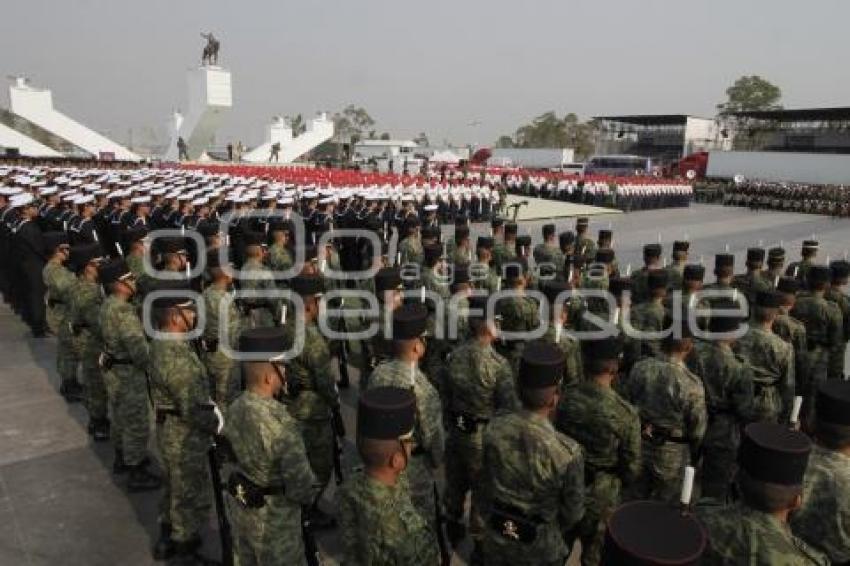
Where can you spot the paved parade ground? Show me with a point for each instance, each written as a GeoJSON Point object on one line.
{"type": "Point", "coordinates": [59, 502]}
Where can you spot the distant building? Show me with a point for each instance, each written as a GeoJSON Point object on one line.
{"type": "Point", "coordinates": [664, 138]}
{"type": "Point", "coordinates": [365, 150]}
{"type": "Point", "coordinates": [808, 130]}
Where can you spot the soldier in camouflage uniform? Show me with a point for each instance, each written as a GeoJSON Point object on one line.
{"type": "Point", "coordinates": [257, 312]}
{"type": "Point", "coordinates": [792, 330]}
{"type": "Point", "coordinates": [840, 271]}
{"type": "Point", "coordinates": [380, 525]}
{"type": "Point", "coordinates": [728, 384]}
{"type": "Point", "coordinates": [125, 363]}
{"type": "Point", "coordinates": [61, 284]}
{"type": "Point", "coordinates": [378, 349]}
{"type": "Point", "coordinates": [219, 365]}
{"type": "Point", "coordinates": [585, 246]}
{"type": "Point", "coordinates": [519, 312]}
{"type": "Point", "coordinates": [557, 333]}
{"type": "Point", "coordinates": [771, 361]}
{"type": "Point", "coordinates": [566, 242]}
{"type": "Point", "coordinates": [483, 273]}
{"type": "Point", "coordinates": [753, 281]}
{"type": "Point", "coordinates": [435, 281]}
{"type": "Point", "coordinates": [648, 317]}
{"type": "Point", "coordinates": [724, 271]}
{"type": "Point", "coordinates": [479, 385]}
{"type": "Point", "coordinates": [533, 491]}
{"type": "Point", "coordinates": [497, 226]}
{"type": "Point", "coordinates": [313, 399]}
{"type": "Point", "coordinates": [83, 323]}
{"type": "Point", "coordinates": [271, 478]}
{"type": "Point", "coordinates": [799, 269]}
{"type": "Point", "coordinates": [755, 529]}
{"type": "Point", "coordinates": [280, 256]}
{"type": "Point", "coordinates": [505, 252]}
{"type": "Point", "coordinates": [133, 246]}
{"type": "Point", "coordinates": [822, 520]}
{"type": "Point", "coordinates": [408, 334]}
{"type": "Point", "coordinates": [461, 255]}
{"type": "Point", "coordinates": [186, 420]}
{"type": "Point", "coordinates": [775, 266]}
{"type": "Point", "coordinates": [410, 247]}
{"type": "Point", "coordinates": [652, 262]}
{"type": "Point", "coordinates": [548, 251]}
{"type": "Point", "coordinates": [824, 332]}
{"type": "Point", "coordinates": [671, 402]}
{"type": "Point", "coordinates": [676, 269]}
{"type": "Point", "coordinates": [608, 430]}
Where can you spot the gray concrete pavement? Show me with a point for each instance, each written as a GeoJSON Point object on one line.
{"type": "Point", "coordinates": [60, 503]}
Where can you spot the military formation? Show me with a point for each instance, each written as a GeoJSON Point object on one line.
{"type": "Point", "coordinates": [828, 200]}
{"type": "Point", "coordinates": [516, 402]}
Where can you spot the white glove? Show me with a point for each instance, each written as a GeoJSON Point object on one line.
{"type": "Point", "coordinates": [220, 418]}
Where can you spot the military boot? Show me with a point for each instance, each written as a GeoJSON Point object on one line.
{"type": "Point", "coordinates": [142, 479]}
{"type": "Point", "coordinates": [164, 547]}
{"type": "Point", "coordinates": [72, 391]}
{"type": "Point", "coordinates": [118, 465]}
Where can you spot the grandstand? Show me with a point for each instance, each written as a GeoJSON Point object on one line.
{"type": "Point", "coordinates": [808, 130]}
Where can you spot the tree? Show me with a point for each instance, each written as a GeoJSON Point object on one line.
{"type": "Point", "coordinates": [351, 123]}
{"type": "Point", "coordinates": [385, 136]}
{"type": "Point", "coordinates": [547, 130]}
{"type": "Point", "coordinates": [751, 93]}
{"type": "Point", "coordinates": [504, 141]}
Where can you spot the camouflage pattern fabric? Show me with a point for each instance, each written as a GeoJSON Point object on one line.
{"type": "Point", "coordinates": [84, 306]}
{"type": "Point", "coordinates": [219, 366]}
{"type": "Point", "coordinates": [771, 361]}
{"type": "Point", "coordinates": [61, 285]}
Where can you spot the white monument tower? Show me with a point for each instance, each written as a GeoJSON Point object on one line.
{"type": "Point", "coordinates": [210, 98]}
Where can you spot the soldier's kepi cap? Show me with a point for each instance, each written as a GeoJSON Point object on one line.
{"type": "Point", "coordinates": [515, 269]}
{"type": "Point", "coordinates": [768, 299]}
{"type": "Point", "coordinates": [542, 365]}
{"type": "Point", "coordinates": [254, 238]}
{"type": "Point", "coordinates": [410, 321]}
{"type": "Point", "coordinates": [432, 252]}
{"type": "Point", "coordinates": [83, 254]}
{"type": "Point", "coordinates": [429, 232]}
{"type": "Point", "coordinates": [776, 255]}
{"type": "Point", "coordinates": [172, 245]}
{"type": "Point", "coordinates": [523, 241]}
{"type": "Point", "coordinates": [722, 261]}
{"type": "Point", "coordinates": [548, 230]}
{"type": "Point", "coordinates": [832, 402]}
{"type": "Point", "coordinates": [840, 269]}
{"type": "Point", "coordinates": [605, 235]}
{"type": "Point", "coordinates": [386, 413]}
{"type": "Point", "coordinates": [484, 242]}
{"type": "Point", "coordinates": [582, 221]}
{"type": "Point", "coordinates": [53, 240]}
{"type": "Point", "coordinates": [114, 270]}
{"type": "Point", "coordinates": [774, 453]}
{"type": "Point", "coordinates": [810, 245]}
{"type": "Point", "coordinates": [788, 285]}
{"type": "Point", "coordinates": [511, 228]}
{"type": "Point", "coordinates": [605, 255]}
{"type": "Point", "coordinates": [133, 235]}
{"type": "Point", "coordinates": [554, 289]}
{"type": "Point", "coordinates": [214, 258]}
{"type": "Point", "coordinates": [652, 250]}
{"type": "Point", "coordinates": [387, 279]}
{"type": "Point", "coordinates": [497, 221]}
{"type": "Point", "coordinates": [460, 276]}
{"type": "Point", "coordinates": [681, 246]}
{"type": "Point", "coordinates": [603, 349]}
{"type": "Point", "coordinates": [755, 255]}
{"type": "Point", "coordinates": [567, 238]}
{"type": "Point", "coordinates": [643, 533]}
{"type": "Point", "coordinates": [308, 285]}
{"type": "Point", "coordinates": [818, 274]}
{"type": "Point", "coordinates": [723, 324]}
{"type": "Point", "coordinates": [270, 341]}
{"type": "Point", "coordinates": [693, 272]}
{"type": "Point", "coordinates": [656, 279]}
{"type": "Point", "coordinates": [617, 285]}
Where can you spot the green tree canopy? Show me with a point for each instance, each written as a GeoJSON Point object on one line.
{"type": "Point", "coordinates": [751, 93]}
{"type": "Point", "coordinates": [351, 123]}
{"type": "Point", "coordinates": [547, 130]}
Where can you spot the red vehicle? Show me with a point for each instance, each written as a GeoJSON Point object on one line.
{"type": "Point", "coordinates": [696, 162]}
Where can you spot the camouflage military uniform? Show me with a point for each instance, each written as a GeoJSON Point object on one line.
{"type": "Point", "coordinates": [126, 382]}
{"type": "Point", "coordinates": [648, 317]}
{"type": "Point", "coordinates": [771, 361]}
{"type": "Point", "coordinates": [825, 339]}
{"type": "Point", "coordinates": [751, 284]}
{"type": "Point", "coordinates": [270, 451]}
{"type": "Point", "coordinates": [671, 402]}
{"type": "Point", "coordinates": [586, 248]}
{"type": "Point", "coordinates": [257, 312]}
{"type": "Point", "coordinates": [799, 270]}
{"type": "Point", "coordinates": [480, 384]}
{"type": "Point", "coordinates": [728, 383]}
{"type": "Point", "coordinates": [675, 276]}
{"type": "Point", "coordinates": [185, 424]}
{"type": "Point", "coordinates": [836, 365]}
{"type": "Point", "coordinates": [571, 347]}
{"type": "Point", "coordinates": [411, 251]}
{"type": "Point", "coordinates": [740, 535]}
{"type": "Point", "coordinates": [61, 284]}
{"type": "Point", "coordinates": [313, 394]}
{"type": "Point", "coordinates": [823, 519]}
{"type": "Point", "coordinates": [487, 280]}
{"type": "Point", "coordinates": [608, 430]}
{"type": "Point", "coordinates": [84, 307]}
{"type": "Point", "coordinates": [519, 314]}
{"type": "Point", "coordinates": [220, 367]}
{"type": "Point", "coordinates": [381, 527]}
{"type": "Point", "coordinates": [501, 255]}
{"type": "Point", "coordinates": [640, 286]}
{"type": "Point", "coordinates": [428, 433]}
{"type": "Point", "coordinates": [279, 258]}
{"type": "Point", "coordinates": [541, 485]}
{"type": "Point", "coordinates": [793, 332]}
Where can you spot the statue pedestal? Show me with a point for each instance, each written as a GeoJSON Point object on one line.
{"type": "Point", "coordinates": [210, 98]}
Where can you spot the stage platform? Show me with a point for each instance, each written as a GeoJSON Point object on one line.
{"type": "Point", "coordinates": [544, 209]}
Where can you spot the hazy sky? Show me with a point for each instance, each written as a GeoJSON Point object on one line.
{"type": "Point", "coordinates": [433, 66]}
